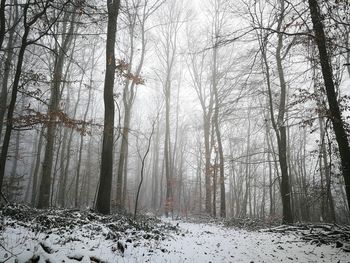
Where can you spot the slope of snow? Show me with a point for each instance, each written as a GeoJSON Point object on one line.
{"type": "Point", "coordinates": [193, 243]}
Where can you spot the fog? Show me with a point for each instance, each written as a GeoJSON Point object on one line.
{"type": "Point", "coordinates": [221, 108]}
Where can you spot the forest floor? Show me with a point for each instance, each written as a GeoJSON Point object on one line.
{"type": "Point", "coordinates": [29, 235]}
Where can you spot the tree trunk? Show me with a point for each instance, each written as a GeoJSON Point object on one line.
{"type": "Point", "coordinates": [155, 170]}
{"type": "Point", "coordinates": [198, 196]}
{"type": "Point", "coordinates": [2, 22]}
{"type": "Point", "coordinates": [80, 152]}
{"type": "Point", "coordinates": [81, 145]}
{"type": "Point", "coordinates": [54, 172]}
{"type": "Point", "coordinates": [327, 174]}
{"type": "Point", "coordinates": [282, 138]}
{"type": "Point", "coordinates": [271, 180]}
{"type": "Point", "coordinates": [63, 175]}
{"type": "Point", "coordinates": [11, 108]}
{"type": "Point", "coordinates": [53, 110]}
{"type": "Point", "coordinates": [161, 187]}
{"type": "Point", "coordinates": [218, 134]}
{"type": "Point", "coordinates": [279, 126]}
{"type": "Point", "coordinates": [207, 152]}
{"type": "Point", "coordinates": [104, 191]}
{"type": "Point", "coordinates": [285, 188]}
{"type": "Point", "coordinates": [143, 160]}
{"type": "Point", "coordinates": [88, 167]}
{"type": "Point", "coordinates": [7, 70]}
{"type": "Point", "coordinates": [122, 159]}
{"type": "Point", "coordinates": [32, 167]}
{"type": "Point", "coordinates": [215, 180]}
{"type": "Point", "coordinates": [335, 114]}
{"type": "Point", "coordinates": [37, 168]}
{"type": "Point", "coordinates": [13, 174]}
{"type": "Point", "coordinates": [167, 158]}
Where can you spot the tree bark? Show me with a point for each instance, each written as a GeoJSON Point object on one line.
{"type": "Point", "coordinates": [335, 113]}
{"type": "Point", "coordinates": [6, 73]}
{"type": "Point", "coordinates": [104, 191]}
{"type": "Point", "coordinates": [2, 22]}
{"type": "Point", "coordinates": [281, 124]}
{"type": "Point", "coordinates": [13, 174]}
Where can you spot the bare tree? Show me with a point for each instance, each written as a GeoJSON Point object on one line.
{"type": "Point", "coordinates": [28, 24]}
{"type": "Point", "coordinates": [218, 21]}
{"type": "Point", "coordinates": [53, 111]}
{"type": "Point", "coordinates": [197, 71]}
{"type": "Point", "coordinates": [335, 113]}
{"type": "Point", "coordinates": [279, 125]}
{"type": "Point", "coordinates": [168, 42]}
{"type": "Point", "coordinates": [137, 14]}
{"type": "Point", "coordinates": [7, 64]}
{"type": "Point", "coordinates": [104, 189]}
{"type": "Point", "coordinates": [143, 160]}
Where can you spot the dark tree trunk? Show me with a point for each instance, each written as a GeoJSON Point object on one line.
{"type": "Point", "coordinates": [285, 187]}
{"type": "Point", "coordinates": [11, 108]}
{"type": "Point", "coordinates": [281, 124]}
{"type": "Point", "coordinates": [335, 114]}
{"type": "Point", "coordinates": [2, 22]}
{"type": "Point", "coordinates": [64, 163]}
{"type": "Point", "coordinates": [13, 174]}
{"type": "Point", "coordinates": [6, 73]}
{"type": "Point", "coordinates": [104, 191]}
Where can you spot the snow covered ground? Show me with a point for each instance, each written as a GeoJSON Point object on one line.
{"type": "Point", "coordinates": [191, 242]}
{"type": "Point", "coordinates": [212, 243]}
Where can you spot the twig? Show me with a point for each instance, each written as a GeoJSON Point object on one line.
{"type": "Point", "coordinates": [4, 197]}
{"type": "Point", "coordinates": [12, 254]}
